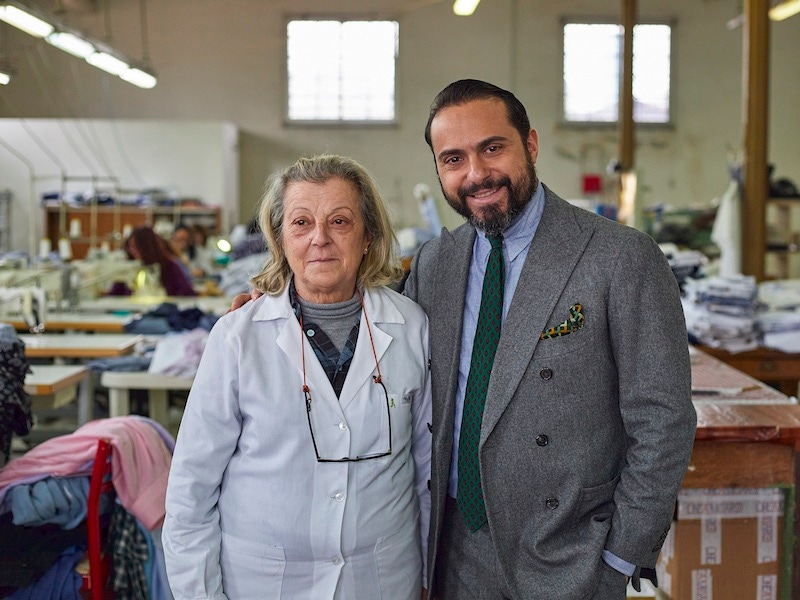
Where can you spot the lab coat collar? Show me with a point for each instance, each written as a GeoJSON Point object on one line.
{"type": "Point", "coordinates": [379, 309]}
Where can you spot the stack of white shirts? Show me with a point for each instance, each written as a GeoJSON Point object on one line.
{"type": "Point", "coordinates": [780, 323]}
{"type": "Point", "coordinates": [685, 264]}
{"type": "Point", "coordinates": [721, 312]}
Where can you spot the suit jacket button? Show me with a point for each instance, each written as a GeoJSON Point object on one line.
{"type": "Point", "coordinates": [542, 440]}
{"type": "Point", "coordinates": [546, 373]}
{"type": "Point", "coordinates": [551, 503]}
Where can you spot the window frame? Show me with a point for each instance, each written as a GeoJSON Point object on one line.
{"type": "Point", "coordinates": [668, 124]}
{"type": "Point", "coordinates": [338, 123]}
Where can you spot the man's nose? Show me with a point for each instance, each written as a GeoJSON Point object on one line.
{"type": "Point", "coordinates": [478, 170]}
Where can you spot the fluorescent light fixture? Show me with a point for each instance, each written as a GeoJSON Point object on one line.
{"type": "Point", "coordinates": [108, 63]}
{"type": "Point", "coordinates": [139, 78]}
{"type": "Point", "coordinates": [39, 23]}
{"type": "Point", "coordinates": [70, 43]}
{"type": "Point", "coordinates": [784, 10]}
{"type": "Point", "coordinates": [5, 76]}
{"type": "Point", "coordinates": [464, 8]}
{"type": "Point", "coordinates": [25, 21]}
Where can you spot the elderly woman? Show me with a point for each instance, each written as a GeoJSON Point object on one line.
{"type": "Point", "coordinates": [302, 461]}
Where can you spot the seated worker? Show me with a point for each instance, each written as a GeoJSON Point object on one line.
{"type": "Point", "coordinates": [146, 245]}
{"type": "Point", "coordinates": [189, 242]}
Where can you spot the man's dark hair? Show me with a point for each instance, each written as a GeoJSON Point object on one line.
{"type": "Point", "coordinates": [467, 90]}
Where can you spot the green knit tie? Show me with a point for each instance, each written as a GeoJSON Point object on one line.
{"type": "Point", "coordinates": [487, 335]}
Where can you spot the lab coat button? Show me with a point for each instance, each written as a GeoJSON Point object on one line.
{"type": "Point", "coordinates": [339, 497]}
{"type": "Point", "coordinates": [311, 333]}
{"type": "Point", "coordinates": [546, 374]}
{"type": "Point", "coordinates": [343, 426]}
{"type": "Point", "coordinates": [335, 560]}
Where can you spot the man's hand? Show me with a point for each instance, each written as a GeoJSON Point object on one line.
{"type": "Point", "coordinates": [240, 300]}
{"type": "Point", "coordinates": [424, 594]}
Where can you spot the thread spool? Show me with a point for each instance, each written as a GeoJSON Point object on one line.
{"type": "Point", "coordinates": [65, 249]}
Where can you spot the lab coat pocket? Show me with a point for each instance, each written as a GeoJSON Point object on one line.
{"type": "Point", "coordinates": [399, 564]}
{"type": "Point", "coordinates": [250, 569]}
{"type": "Point", "coordinates": [400, 411]}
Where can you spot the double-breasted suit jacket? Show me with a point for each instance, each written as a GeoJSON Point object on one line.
{"type": "Point", "coordinates": [588, 425]}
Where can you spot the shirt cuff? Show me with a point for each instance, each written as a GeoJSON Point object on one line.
{"type": "Point", "coordinates": [623, 566]}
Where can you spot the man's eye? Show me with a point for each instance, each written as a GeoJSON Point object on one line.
{"type": "Point", "coordinates": [492, 148]}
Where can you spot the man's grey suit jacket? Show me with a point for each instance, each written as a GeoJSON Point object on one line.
{"type": "Point", "coordinates": [586, 436]}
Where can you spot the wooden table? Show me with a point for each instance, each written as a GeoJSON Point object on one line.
{"type": "Point", "coordinates": [79, 345]}
{"type": "Point", "coordinates": [781, 369]}
{"type": "Point", "coordinates": [217, 305]}
{"type": "Point", "coordinates": [52, 386]}
{"type": "Point", "coordinates": [748, 439]}
{"type": "Point", "coordinates": [74, 321]}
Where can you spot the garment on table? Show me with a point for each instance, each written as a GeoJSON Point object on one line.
{"type": "Point", "coordinates": [58, 500]}
{"type": "Point", "coordinates": [59, 582]}
{"type": "Point", "coordinates": [131, 556]}
{"type": "Point", "coordinates": [140, 463]}
{"type": "Point", "coordinates": [26, 553]}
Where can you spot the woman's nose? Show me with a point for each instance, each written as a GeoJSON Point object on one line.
{"type": "Point", "coordinates": [320, 235]}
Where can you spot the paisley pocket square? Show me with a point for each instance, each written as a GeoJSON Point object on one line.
{"type": "Point", "coordinates": [573, 323]}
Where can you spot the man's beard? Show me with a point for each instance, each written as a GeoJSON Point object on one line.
{"type": "Point", "coordinates": [493, 219]}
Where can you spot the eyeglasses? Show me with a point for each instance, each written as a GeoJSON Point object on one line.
{"type": "Point", "coordinates": [377, 379]}
{"type": "Point", "coordinates": [307, 393]}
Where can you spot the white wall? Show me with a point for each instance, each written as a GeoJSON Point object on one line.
{"type": "Point", "coordinates": [223, 60]}
{"type": "Point", "coordinates": [186, 159]}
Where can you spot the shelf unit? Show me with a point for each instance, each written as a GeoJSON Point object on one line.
{"type": "Point", "coordinates": [782, 254]}
{"type": "Point", "coordinates": [90, 226]}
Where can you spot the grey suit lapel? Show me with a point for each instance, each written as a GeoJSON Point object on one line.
{"type": "Point", "coordinates": [446, 316]}
{"type": "Point", "coordinates": [556, 248]}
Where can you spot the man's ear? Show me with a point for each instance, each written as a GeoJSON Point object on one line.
{"type": "Point", "coordinates": [533, 144]}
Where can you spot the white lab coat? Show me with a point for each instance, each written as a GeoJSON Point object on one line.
{"type": "Point", "coordinates": [250, 511]}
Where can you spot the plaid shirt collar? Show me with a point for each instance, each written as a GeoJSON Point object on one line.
{"type": "Point", "coordinates": [335, 363]}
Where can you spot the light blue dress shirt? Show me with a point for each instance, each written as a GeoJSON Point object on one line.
{"type": "Point", "coordinates": [516, 242]}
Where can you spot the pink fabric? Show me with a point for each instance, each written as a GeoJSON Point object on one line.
{"type": "Point", "coordinates": [140, 463]}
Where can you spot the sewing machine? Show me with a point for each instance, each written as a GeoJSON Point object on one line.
{"type": "Point", "coordinates": [94, 277]}
{"type": "Point", "coordinates": [29, 302]}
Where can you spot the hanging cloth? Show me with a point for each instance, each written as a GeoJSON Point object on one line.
{"type": "Point", "coordinates": [16, 416]}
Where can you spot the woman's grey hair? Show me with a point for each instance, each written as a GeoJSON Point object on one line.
{"type": "Point", "coordinates": [380, 265]}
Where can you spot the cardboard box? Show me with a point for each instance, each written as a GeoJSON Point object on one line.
{"type": "Point", "coordinates": [724, 545]}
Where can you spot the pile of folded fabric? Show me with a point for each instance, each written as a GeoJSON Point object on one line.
{"type": "Point", "coordinates": [780, 322]}
{"type": "Point", "coordinates": [721, 312]}
{"type": "Point", "coordinates": [685, 264]}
